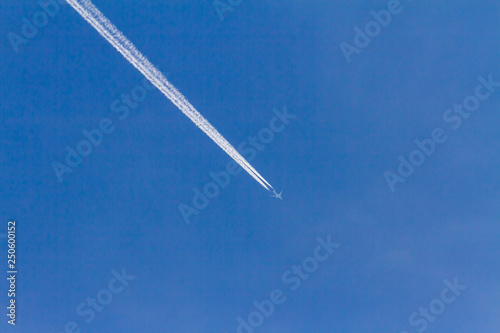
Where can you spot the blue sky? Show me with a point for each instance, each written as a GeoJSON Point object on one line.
{"type": "Point", "coordinates": [120, 207]}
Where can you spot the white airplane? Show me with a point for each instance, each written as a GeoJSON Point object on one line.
{"type": "Point", "coordinates": [277, 195]}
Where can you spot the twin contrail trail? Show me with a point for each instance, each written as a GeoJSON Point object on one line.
{"type": "Point", "coordinates": [116, 38]}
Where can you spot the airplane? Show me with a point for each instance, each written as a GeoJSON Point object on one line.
{"type": "Point", "coordinates": [277, 195]}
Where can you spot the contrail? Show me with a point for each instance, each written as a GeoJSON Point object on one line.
{"type": "Point", "coordinates": [116, 38]}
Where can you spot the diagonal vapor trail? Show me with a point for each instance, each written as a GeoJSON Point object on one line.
{"type": "Point", "coordinates": [116, 38]}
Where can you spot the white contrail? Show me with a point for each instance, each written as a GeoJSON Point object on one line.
{"type": "Point", "coordinates": [114, 36]}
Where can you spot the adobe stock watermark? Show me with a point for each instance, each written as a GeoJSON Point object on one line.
{"type": "Point", "coordinates": [94, 137]}
{"type": "Point", "coordinates": [363, 38]}
{"type": "Point", "coordinates": [248, 149]}
{"type": "Point", "coordinates": [221, 7]}
{"type": "Point", "coordinates": [87, 310]}
{"type": "Point", "coordinates": [30, 28]}
{"type": "Point", "coordinates": [454, 118]}
{"type": "Point", "coordinates": [425, 315]}
{"type": "Point", "coordinates": [292, 279]}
